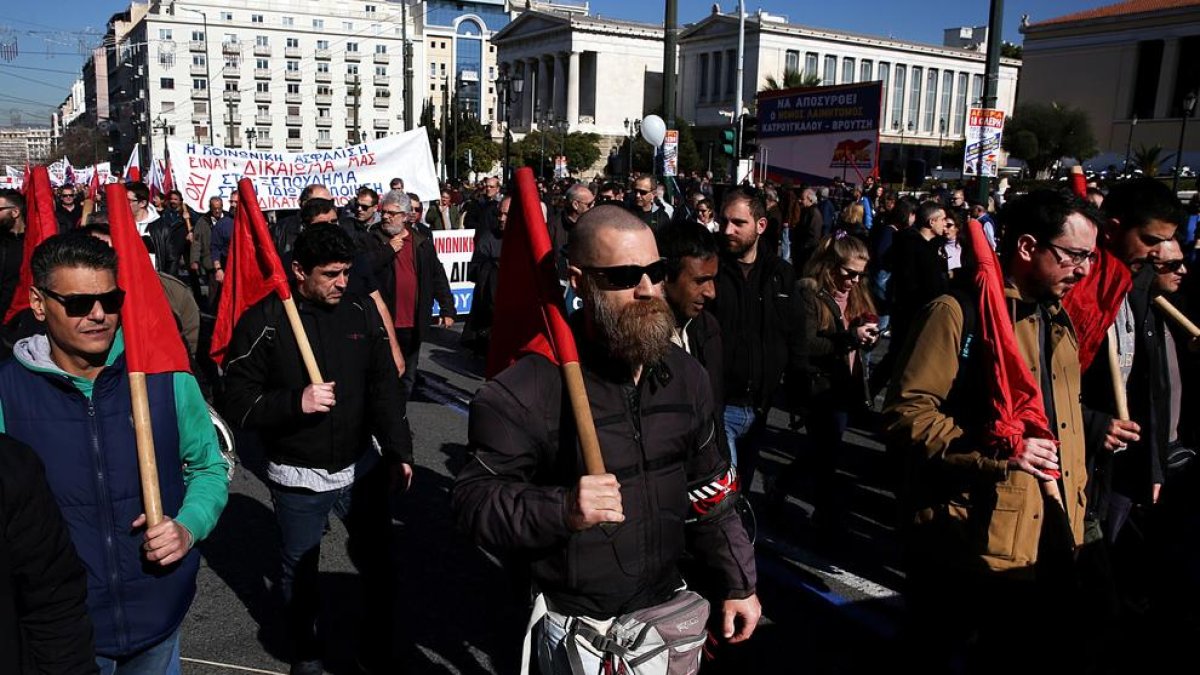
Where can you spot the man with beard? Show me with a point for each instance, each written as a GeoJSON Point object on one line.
{"type": "Point", "coordinates": [758, 324]}
{"type": "Point", "coordinates": [12, 243]}
{"type": "Point", "coordinates": [987, 550]}
{"type": "Point", "coordinates": [605, 546]}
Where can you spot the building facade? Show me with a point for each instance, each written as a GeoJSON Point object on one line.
{"type": "Point", "coordinates": [1130, 66]}
{"type": "Point", "coordinates": [19, 145]}
{"type": "Point", "coordinates": [927, 89]}
{"type": "Point", "coordinates": [460, 59]}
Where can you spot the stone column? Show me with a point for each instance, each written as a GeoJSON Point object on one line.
{"type": "Point", "coordinates": [1163, 105]}
{"type": "Point", "coordinates": [545, 81]}
{"type": "Point", "coordinates": [560, 86]}
{"type": "Point", "coordinates": [573, 90]}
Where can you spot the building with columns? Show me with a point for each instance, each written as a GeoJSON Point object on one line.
{"type": "Point", "coordinates": [1130, 65]}
{"type": "Point", "coordinates": [583, 73]}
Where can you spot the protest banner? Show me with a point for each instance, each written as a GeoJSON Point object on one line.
{"type": "Point", "coordinates": [670, 150]}
{"type": "Point", "coordinates": [811, 134]}
{"type": "Point", "coordinates": [982, 150]}
{"type": "Point", "coordinates": [454, 250]}
{"type": "Point", "coordinates": [204, 171]}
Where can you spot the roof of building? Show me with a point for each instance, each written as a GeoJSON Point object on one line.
{"type": "Point", "coordinates": [1127, 8]}
{"type": "Point", "coordinates": [574, 20]}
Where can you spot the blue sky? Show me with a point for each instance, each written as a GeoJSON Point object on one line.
{"type": "Point", "coordinates": [50, 58]}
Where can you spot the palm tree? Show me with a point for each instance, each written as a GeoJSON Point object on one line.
{"type": "Point", "coordinates": [791, 80]}
{"type": "Point", "coordinates": [1148, 159]}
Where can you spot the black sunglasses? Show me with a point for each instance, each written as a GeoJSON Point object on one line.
{"type": "Point", "coordinates": [81, 304]}
{"type": "Point", "coordinates": [359, 206]}
{"type": "Point", "coordinates": [853, 274]}
{"type": "Point", "coordinates": [1168, 266]}
{"type": "Point", "coordinates": [622, 277]}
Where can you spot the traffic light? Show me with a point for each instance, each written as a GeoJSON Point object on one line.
{"type": "Point", "coordinates": [749, 136]}
{"type": "Point", "coordinates": [729, 142]}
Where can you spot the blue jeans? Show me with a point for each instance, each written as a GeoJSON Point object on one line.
{"type": "Point", "coordinates": [303, 518]}
{"type": "Point", "coordinates": [785, 244]}
{"type": "Point", "coordinates": [743, 428]}
{"type": "Point", "coordinates": [160, 659]}
{"type": "Point", "coordinates": [549, 636]}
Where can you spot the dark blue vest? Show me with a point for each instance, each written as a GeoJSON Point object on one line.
{"type": "Point", "coordinates": [90, 455]}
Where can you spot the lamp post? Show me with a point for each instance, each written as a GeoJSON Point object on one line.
{"type": "Point", "coordinates": [631, 128]}
{"type": "Point", "coordinates": [941, 139]}
{"type": "Point", "coordinates": [1189, 104]}
{"type": "Point", "coordinates": [509, 85]}
{"type": "Point", "coordinates": [896, 126]}
{"type": "Point", "coordinates": [207, 72]}
{"type": "Point", "coordinates": [1129, 145]}
{"type": "Point", "coordinates": [251, 136]}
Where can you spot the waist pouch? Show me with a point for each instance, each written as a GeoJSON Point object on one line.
{"type": "Point", "coordinates": [665, 639]}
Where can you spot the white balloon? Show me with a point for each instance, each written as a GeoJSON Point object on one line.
{"type": "Point", "coordinates": [654, 130]}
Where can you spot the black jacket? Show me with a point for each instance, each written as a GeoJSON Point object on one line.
{"type": "Point", "coordinates": [919, 275]}
{"type": "Point", "coordinates": [44, 626]}
{"type": "Point", "coordinates": [757, 315]}
{"type": "Point", "coordinates": [704, 344]}
{"type": "Point", "coordinates": [658, 438]}
{"type": "Point", "coordinates": [825, 377]}
{"type": "Point", "coordinates": [67, 220]}
{"type": "Point", "coordinates": [168, 242]}
{"type": "Point", "coordinates": [12, 247]}
{"type": "Point", "coordinates": [284, 233]}
{"type": "Point", "coordinates": [265, 377]}
{"type": "Point", "coordinates": [432, 283]}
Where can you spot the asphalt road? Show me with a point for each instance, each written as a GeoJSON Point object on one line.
{"type": "Point", "coordinates": [830, 605]}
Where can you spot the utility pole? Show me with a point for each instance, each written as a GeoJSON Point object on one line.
{"type": "Point", "coordinates": [406, 63]}
{"type": "Point", "coordinates": [229, 107]}
{"type": "Point", "coordinates": [445, 120]}
{"type": "Point", "coordinates": [737, 110]}
{"type": "Point", "coordinates": [671, 32]}
{"type": "Point", "coordinates": [356, 95]}
{"type": "Point", "coordinates": [991, 77]}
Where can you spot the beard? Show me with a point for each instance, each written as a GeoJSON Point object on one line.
{"type": "Point", "coordinates": [637, 334]}
{"type": "Point", "coordinates": [738, 247]}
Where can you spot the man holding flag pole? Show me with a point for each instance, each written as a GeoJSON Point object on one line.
{"type": "Point", "coordinates": [136, 497]}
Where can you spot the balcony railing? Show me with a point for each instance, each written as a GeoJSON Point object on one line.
{"type": "Point", "coordinates": [231, 48]}
{"type": "Point", "coordinates": [291, 75]}
{"type": "Point", "coordinates": [262, 97]}
{"type": "Point", "coordinates": [323, 77]}
{"type": "Point", "coordinates": [295, 144]}
{"type": "Point", "coordinates": [294, 120]}
{"type": "Point", "coordinates": [383, 101]}
{"type": "Point", "coordinates": [324, 121]}
{"type": "Point", "coordinates": [324, 144]}
{"type": "Point", "coordinates": [382, 58]}
{"type": "Point", "coordinates": [260, 50]}
{"type": "Point", "coordinates": [262, 74]}
{"type": "Point", "coordinates": [352, 56]}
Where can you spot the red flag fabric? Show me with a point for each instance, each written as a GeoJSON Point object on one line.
{"type": "Point", "coordinates": [252, 269]}
{"type": "Point", "coordinates": [1016, 397]}
{"type": "Point", "coordinates": [94, 185]}
{"type": "Point", "coordinates": [168, 183]}
{"type": "Point", "coordinates": [529, 312]}
{"type": "Point", "coordinates": [152, 340]}
{"type": "Point", "coordinates": [40, 225]}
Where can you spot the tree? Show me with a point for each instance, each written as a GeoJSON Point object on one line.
{"type": "Point", "coordinates": [1148, 159]}
{"type": "Point", "coordinates": [791, 80]}
{"type": "Point", "coordinates": [431, 127]}
{"type": "Point", "coordinates": [1042, 133]}
{"type": "Point", "coordinates": [1009, 50]}
{"type": "Point", "coordinates": [84, 145]}
{"type": "Point", "coordinates": [473, 149]}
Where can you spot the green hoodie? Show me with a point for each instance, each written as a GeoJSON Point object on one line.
{"type": "Point", "coordinates": [204, 468]}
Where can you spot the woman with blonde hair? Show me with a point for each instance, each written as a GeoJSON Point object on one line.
{"type": "Point", "coordinates": [851, 219]}
{"type": "Point", "coordinates": [837, 316]}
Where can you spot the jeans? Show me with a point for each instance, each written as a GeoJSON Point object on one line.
{"type": "Point", "coordinates": [552, 659]}
{"type": "Point", "coordinates": [743, 427]}
{"type": "Point", "coordinates": [160, 659]}
{"type": "Point", "coordinates": [303, 517]}
{"type": "Point", "coordinates": [785, 244]}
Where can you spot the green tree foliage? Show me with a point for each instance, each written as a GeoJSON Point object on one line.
{"type": "Point", "coordinates": [791, 80]}
{"type": "Point", "coordinates": [643, 154]}
{"type": "Point", "coordinates": [1148, 159]}
{"type": "Point", "coordinates": [538, 149]}
{"type": "Point", "coordinates": [1042, 133]}
{"type": "Point", "coordinates": [431, 127]}
{"type": "Point", "coordinates": [84, 145]}
{"type": "Point", "coordinates": [1009, 50]}
{"type": "Point", "coordinates": [467, 138]}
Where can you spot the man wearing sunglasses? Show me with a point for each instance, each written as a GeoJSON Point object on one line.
{"type": "Point", "coordinates": [66, 394]}
{"type": "Point", "coordinates": [646, 204]}
{"type": "Point", "coordinates": [606, 545]}
{"type": "Point", "coordinates": [68, 211]}
{"type": "Point", "coordinates": [12, 243]}
{"type": "Point", "coordinates": [986, 548]}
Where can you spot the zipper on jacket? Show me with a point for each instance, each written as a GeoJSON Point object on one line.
{"type": "Point", "coordinates": [633, 401]}
{"type": "Point", "coordinates": [108, 526]}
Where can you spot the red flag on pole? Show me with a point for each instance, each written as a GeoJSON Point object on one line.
{"type": "Point", "coordinates": [168, 183]}
{"type": "Point", "coordinates": [1016, 397]}
{"type": "Point", "coordinates": [152, 340]}
{"type": "Point", "coordinates": [529, 299]}
{"type": "Point", "coordinates": [252, 270]}
{"type": "Point", "coordinates": [94, 185]}
{"type": "Point", "coordinates": [40, 225]}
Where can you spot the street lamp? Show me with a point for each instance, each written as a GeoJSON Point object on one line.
{"type": "Point", "coordinates": [207, 72]}
{"type": "Point", "coordinates": [1189, 104]}
{"type": "Point", "coordinates": [941, 139]}
{"type": "Point", "coordinates": [251, 135]}
{"type": "Point", "coordinates": [508, 85]}
{"type": "Point", "coordinates": [896, 126]}
{"type": "Point", "coordinates": [632, 127]}
{"type": "Point", "coordinates": [1129, 145]}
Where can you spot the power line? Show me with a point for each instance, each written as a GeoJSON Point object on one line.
{"type": "Point", "coordinates": [44, 70]}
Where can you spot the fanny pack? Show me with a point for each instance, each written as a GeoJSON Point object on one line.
{"type": "Point", "coordinates": [665, 639]}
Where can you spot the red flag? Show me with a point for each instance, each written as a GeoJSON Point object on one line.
{"type": "Point", "coordinates": [94, 185]}
{"type": "Point", "coordinates": [252, 269]}
{"type": "Point", "coordinates": [168, 183]}
{"type": "Point", "coordinates": [1016, 397]}
{"type": "Point", "coordinates": [152, 340]}
{"type": "Point", "coordinates": [529, 299]}
{"type": "Point", "coordinates": [40, 225]}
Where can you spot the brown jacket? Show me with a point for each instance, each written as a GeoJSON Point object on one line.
{"type": "Point", "coordinates": [967, 508]}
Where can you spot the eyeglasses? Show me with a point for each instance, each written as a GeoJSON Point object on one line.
{"type": "Point", "coordinates": [853, 274]}
{"type": "Point", "coordinates": [1168, 266]}
{"type": "Point", "coordinates": [359, 206]}
{"type": "Point", "coordinates": [622, 277]}
{"type": "Point", "coordinates": [7, 208]}
{"type": "Point", "coordinates": [1076, 258]}
{"type": "Point", "coordinates": [391, 214]}
{"type": "Point", "coordinates": [642, 193]}
{"type": "Point", "coordinates": [81, 304]}
{"type": "Point", "coordinates": [68, 195]}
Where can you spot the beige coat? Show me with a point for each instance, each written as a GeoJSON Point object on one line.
{"type": "Point", "coordinates": [966, 507]}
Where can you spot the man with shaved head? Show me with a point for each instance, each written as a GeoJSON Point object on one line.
{"type": "Point", "coordinates": [607, 546]}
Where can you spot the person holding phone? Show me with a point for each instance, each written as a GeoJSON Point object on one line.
{"type": "Point", "coordinates": [838, 325]}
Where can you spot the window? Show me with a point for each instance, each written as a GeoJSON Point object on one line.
{"type": "Point", "coordinates": [380, 49]}
{"type": "Point", "coordinates": [351, 68]}
{"type": "Point", "coordinates": [947, 92]}
{"type": "Point", "coordinates": [791, 61]}
{"type": "Point", "coordinates": [164, 34]}
{"type": "Point", "coordinates": [864, 71]}
{"type": "Point", "coordinates": [293, 110]}
{"type": "Point", "coordinates": [323, 44]}
{"type": "Point", "coordinates": [168, 106]}
{"type": "Point", "coordinates": [1149, 70]}
{"type": "Point", "coordinates": [931, 83]}
{"type": "Point", "coordinates": [322, 66]}
{"type": "Point", "coordinates": [352, 46]}
{"type": "Point", "coordinates": [323, 113]}
{"type": "Point", "coordinates": [883, 74]}
{"type": "Point", "coordinates": [380, 134]}
{"type": "Point", "coordinates": [369, 9]}
{"type": "Point", "coordinates": [200, 107]}
{"type": "Point", "coordinates": [262, 64]}
{"type": "Point", "coordinates": [977, 90]}
{"type": "Point", "coordinates": [231, 62]}
{"type": "Point", "coordinates": [256, 18]}
{"type": "Point", "coordinates": [703, 76]}
{"type": "Point", "coordinates": [169, 83]}
{"type": "Point", "coordinates": [293, 134]}
{"type": "Point", "coordinates": [293, 88]}
{"type": "Point", "coordinates": [318, 23]}
{"type": "Point", "coordinates": [199, 60]}
{"type": "Point", "coordinates": [443, 69]}
{"type": "Point", "coordinates": [348, 26]}
{"type": "Point", "coordinates": [293, 43]}
{"type": "Point", "coordinates": [914, 100]}
{"type": "Point", "coordinates": [810, 64]}
{"type": "Point", "coordinates": [264, 111]}
{"type": "Point", "coordinates": [323, 135]}
{"type": "Point", "coordinates": [231, 85]}
{"type": "Point", "coordinates": [324, 90]}
{"type": "Point", "coordinates": [289, 21]}
{"type": "Point", "coordinates": [829, 74]}
{"type": "Point", "coordinates": [198, 36]}
{"type": "Point", "coordinates": [262, 41]}
{"type": "Point", "coordinates": [898, 97]}
{"type": "Point", "coordinates": [960, 104]}
{"type": "Point", "coordinates": [716, 76]}
{"type": "Point", "coordinates": [231, 38]}
{"type": "Point", "coordinates": [262, 87]}
{"type": "Point", "coordinates": [197, 83]}
{"type": "Point", "coordinates": [381, 71]}
{"type": "Point", "coordinates": [293, 66]}
{"type": "Point", "coordinates": [166, 59]}
{"type": "Point", "coordinates": [847, 70]}
{"type": "Point", "coordinates": [227, 16]}
{"type": "Point", "coordinates": [263, 133]}
{"type": "Point", "coordinates": [730, 72]}
{"type": "Point", "coordinates": [433, 69]}
{"type": "Point", "coordinates": [382, 93]}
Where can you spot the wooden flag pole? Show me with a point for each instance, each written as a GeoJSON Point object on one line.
{"type": "Point", "coordinates": [1177, 316]}
{"type": "Point", "coordinates": [89, 205]}
{"type": "Point", "coordinates": [147, 465]}
{"type": "Point", "coordinates": [306, 352]}
{"type": "Point", "coordinates": [1118, 382]}
{"type": "Point", "coordinates": [584, 425]}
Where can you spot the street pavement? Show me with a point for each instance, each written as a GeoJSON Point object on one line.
{"type": "Point", "coordinates": [830, 603]}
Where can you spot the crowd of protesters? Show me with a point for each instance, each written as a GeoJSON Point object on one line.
{"type": "Point", "coordinates": [845, 305]}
